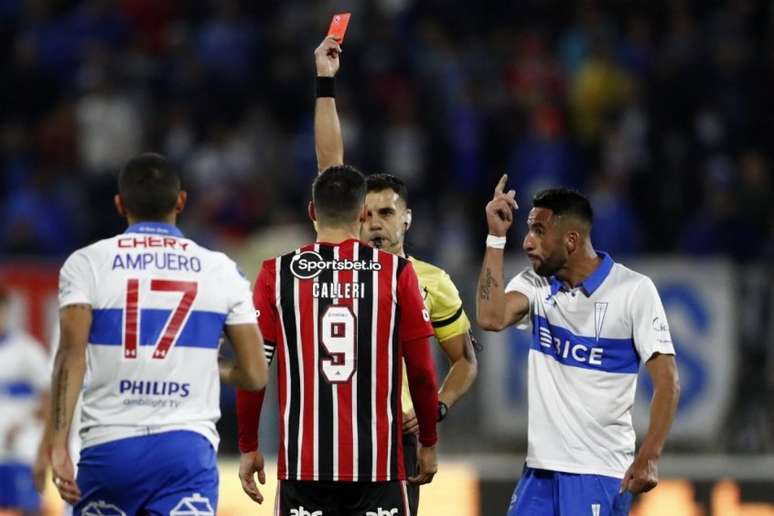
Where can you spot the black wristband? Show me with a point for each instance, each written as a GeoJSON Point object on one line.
{"type": "Point", "coordinates": [442, 411]}
{"type": "Point", "coordinates": [325, 87]}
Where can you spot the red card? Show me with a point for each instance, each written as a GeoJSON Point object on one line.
{"type": "Point", "coordinates": [339, 27]}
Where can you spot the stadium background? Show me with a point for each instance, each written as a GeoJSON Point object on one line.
{"type": "Point", "coordinates": [660, 111]}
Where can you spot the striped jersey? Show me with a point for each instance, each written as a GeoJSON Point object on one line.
{"type": "Point", "coordinates": [24, 377]}
{"type": "Point", "coordinates": [587, 346]}
{"type": "Point", "coordinates": [336, 318]}
{"type": "Point", "coordinates": [159, 303]}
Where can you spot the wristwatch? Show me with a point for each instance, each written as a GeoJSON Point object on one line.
{"type": "Point", "coordinates": [442, 411]}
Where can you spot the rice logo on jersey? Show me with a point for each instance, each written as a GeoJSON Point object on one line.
{"type": "Point", "coordinates": [309, 264]}
{"type": "Point", "coordinates": [382, 512]}
{"type": "Point", "coordinates": [303, 512]}
{"type": "Point", "coordinates": [564, 348]}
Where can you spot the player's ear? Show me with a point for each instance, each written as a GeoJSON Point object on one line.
{"type": "Point", "coordinates": [311, 212]}
{"type": "Point", "coordinates": [182, 198]}
{"type": "Point", "coordinates": [363, 214]}
{"type": "Point", "coordinates": [407, 223]}
{"type": "Point", "coordinates": [572, 241]}
{"type": "Point", "coordinates": [120, 208]}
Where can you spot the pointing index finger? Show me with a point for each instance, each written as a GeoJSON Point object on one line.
{"type": "Point", "coordinates": [500, 188]}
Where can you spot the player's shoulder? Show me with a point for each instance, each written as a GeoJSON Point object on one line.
{"type": "Point", "coordinates": [427, 269]}
{"type": "Point", "coordinates": [530, 277]}
{"type": "Point", "coordinates": [626, 278]}
{"type": "Point", "coordinates": [91, 253]}
{"type": "Point", "coordinates": [216, 260]}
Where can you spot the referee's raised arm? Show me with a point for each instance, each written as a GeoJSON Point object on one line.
{"type": "Point", "coordinates": [328, 144]}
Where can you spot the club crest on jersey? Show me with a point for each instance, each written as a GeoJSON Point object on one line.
{"type": "Point", "coordinates": [600, 309]}
{"type": "Point", "coordinates": [102, 508]}
{"type": "Point", "coordinates": [309, 265]}
{"type": "Point", "coordinates": [196, 505]}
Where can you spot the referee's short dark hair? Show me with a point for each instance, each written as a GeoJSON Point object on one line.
{"type": "Point", "coordinates": [338, 194]}
{"type": "Point", "coordinates": [149, 186]}
{"type": "Point", "coordinates": [380, 182]}
{"type": "Point", "coordinates": [565, 201]}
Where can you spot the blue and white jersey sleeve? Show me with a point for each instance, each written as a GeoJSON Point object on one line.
{"type": "Point", "coordinates": [241, 309]}
{"type": "Point", "coordinates": [650, 329]}
{"type": "Point", "coordinates": [526, 282]}
{"type": "Point", "coordinates": [76, 281]}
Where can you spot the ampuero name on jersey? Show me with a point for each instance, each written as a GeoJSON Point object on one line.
{"type": "Point", "coordinates": [158, 261]}
{"type": "Point", "coordinates": [309, 264]}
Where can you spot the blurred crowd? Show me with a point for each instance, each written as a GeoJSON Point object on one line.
{"type": "Point", "coordinates": [659, 111]}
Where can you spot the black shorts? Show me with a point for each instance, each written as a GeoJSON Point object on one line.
{"type": "Point", "coordinates": [326, 498]}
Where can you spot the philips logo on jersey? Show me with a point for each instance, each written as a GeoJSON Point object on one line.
{"type": "Point", "coordinates": [309, 264]}
{"type": "Point", "coordinates": [148, 388]}
{"type": "Point", "coordinates": [303, 512]}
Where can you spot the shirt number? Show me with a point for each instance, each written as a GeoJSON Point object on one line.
{"type": "Point", "coordinates": [174, 324]}
{"type": "Point", "coordinates": [338, 335]}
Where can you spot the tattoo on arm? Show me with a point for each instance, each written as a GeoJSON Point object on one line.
{"type": "Point", "coordinates": [485, 287]}
{"type": "Point", "coordinates": [60, 400]}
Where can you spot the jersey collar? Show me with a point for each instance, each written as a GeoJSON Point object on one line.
{"type": "Point", "coordinates": [595, 279]}
{"type": "Point", "coordinates": [154, 228]}
{"type": "Point", "coordinates": [592, 283]}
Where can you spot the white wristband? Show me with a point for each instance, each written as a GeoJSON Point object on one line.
{"type": "Point", "coordinates": [496, 242]}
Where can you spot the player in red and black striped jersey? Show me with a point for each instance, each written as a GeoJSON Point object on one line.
{"type": "Point", "coordinates": [338, 316]}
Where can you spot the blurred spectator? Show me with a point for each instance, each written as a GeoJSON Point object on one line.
{"type": "Point", "coordinates": [615, 227]}
{"type": "Point", "coordinates": [544, 158]}
{"type": "Point", "coordinates": [109, 125]}
{"type": "Point", "coordinates": [600, 88]}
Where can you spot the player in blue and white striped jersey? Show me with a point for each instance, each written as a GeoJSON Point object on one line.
{"type": "Point", "coordinates": [144, 312]}
{"type": "Point", "coordinates": [593, 323]}
{"type": "Point", "coordinates": [23, 396]}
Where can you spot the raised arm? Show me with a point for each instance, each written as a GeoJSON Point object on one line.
{"type": "Point", "coordinates": [328, 144]}
{"type": "Point", "coordinates": [496, 310]}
